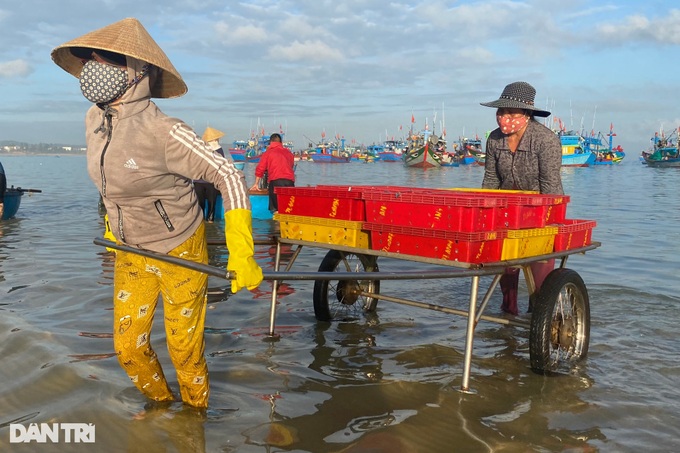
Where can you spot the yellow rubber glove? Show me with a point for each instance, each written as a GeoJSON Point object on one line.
{"type": "Point", "coordinates": [238, 231]}
{"type": "Point", "coordinates": [107, 233]}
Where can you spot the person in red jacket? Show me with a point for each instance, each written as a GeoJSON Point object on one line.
{"type": "Point", "coordinates": [279, 163]}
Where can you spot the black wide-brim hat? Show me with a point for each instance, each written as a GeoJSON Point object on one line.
{"type": "Point", "coordinates": [517, 95]}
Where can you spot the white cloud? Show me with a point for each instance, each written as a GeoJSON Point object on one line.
{"type": "Point", "coordinates": [15, 68]}
{"type": "Point", "coordinates": [640, 28]}
{"type": "Point", "coordinates": [231, 35]}
{"type": "Point", "coordinates": [307, 50]}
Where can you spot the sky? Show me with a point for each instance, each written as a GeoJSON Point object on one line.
{"type": "Point", "coordinates": [361, 70]}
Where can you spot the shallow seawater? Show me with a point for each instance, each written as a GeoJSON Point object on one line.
{"type": "Point", "coordinates": [383, 383]}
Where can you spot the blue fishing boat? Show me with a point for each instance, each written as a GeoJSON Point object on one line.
{"type": "Point", "coordinates": [12, 201]}
{"type": "Point", "coordinates": [328, 152]}
{"type": "Point", "coordinates": [469, 151]}
{"type": "Point", "coordinates": [384, 154]}
{"type": "Point", "coordinates": [574, 153]}
{"type": "Point", "coordinates": [392, 151]}
{"type": "Point", "coordinates": [238, 150]}
{"type": "Point", "coordinates": [605, 154]}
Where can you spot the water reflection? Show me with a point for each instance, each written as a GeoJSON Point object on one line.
{"type": "Point", "coordinates": [174, 427]}
{"type": "Point", "coordinates": [372, 397]}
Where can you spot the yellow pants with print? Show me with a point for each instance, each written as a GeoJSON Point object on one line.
{"type": "Point", "coordinates": [138, 282]}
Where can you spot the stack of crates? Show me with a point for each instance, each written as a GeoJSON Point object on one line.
{"type": "Point", "coordinates": [435, 223]}
{"type": "Point", "coordinates": [324, 214]}
{"type": "Point", "coordinates": [529, 219]}
{"type": "Point", "coordinates": [466, 225]}
{"type": "Point", "coordinates": [472, 225]}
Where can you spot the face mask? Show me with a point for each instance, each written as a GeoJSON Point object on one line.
{"type": "Point", "coordinates": [102, 83]}
{"type": "Point", "coordinates": [510, 124]}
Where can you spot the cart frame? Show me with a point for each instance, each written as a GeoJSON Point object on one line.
{"type": "Point", "coordinates": [547, 330]}
{"type": "Point", "coordinates": [474, 314]}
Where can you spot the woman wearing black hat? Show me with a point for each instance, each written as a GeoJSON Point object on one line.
{"type": "Point", "coordinates": [521, 154]}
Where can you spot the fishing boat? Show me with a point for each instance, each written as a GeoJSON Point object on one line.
{"type": "Point", "coordinates": [256, 147]}
{"type": "Point", "coordinates": [574, 153]}
{"type": "Point", "coordinates": [449, 159]}
{"type": "Point", "coordinates": [12, 201]}
{"type": "Point", "coordinates": [424, 151]}
{"type": "Point", "coordinates": [329, 152]}
{"type": "Point", "coordinates": [469, 150]}
{"type": "Point", "coordinates": [605, 154]}
{"type": "Point", "coordinates": [238, 150]}
{"type": "Point", "coordinates": [664, 152]}
{"type": "Point", "coordinates": [391, 151]}
{"type": "Point", "coordinates": [662, 157]}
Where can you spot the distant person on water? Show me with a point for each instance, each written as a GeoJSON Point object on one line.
{"type": "Point", "coordinates": [143, 162]}
{"type": "Point", "coordinates": [279, 163]}
{"type": "Point", "coordinates": [206, 191]}
{"type": "Point", "coordinates": [3, 189]}
{"type": "Point", "coordinates": [522, 154]}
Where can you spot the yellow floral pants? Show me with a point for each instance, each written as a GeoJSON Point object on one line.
{"type": "Point", "coordinates": [138, 282]}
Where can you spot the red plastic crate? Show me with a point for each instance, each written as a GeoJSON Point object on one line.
{"type": "Point", "coordinates": [366, 188]}
{"type": "Point", "coordinates": [434, 208]}
{"type": "Point", "coordinates": [331, 202]}
{"type": "Point", "coordinates": [481, 247]}
{"type": "Point", "coordinates": [574, 234]}
{"type": "Point", "coordinates": [526, 210]}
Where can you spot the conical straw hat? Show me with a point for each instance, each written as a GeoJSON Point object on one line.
{"type": "Point", "coordinates": [211, 134]}
{"type": "Point", "coordinates": [127, 37]}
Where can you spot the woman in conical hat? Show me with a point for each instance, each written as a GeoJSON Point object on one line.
{"type": "Point", "coordinates": [206, 192]}
{"type": "Point", "coordinates": [521, 154]}
{"type": "Point", "coordinates": [142, 162]}
{"type": "Point", "coordinates": [210, 134]}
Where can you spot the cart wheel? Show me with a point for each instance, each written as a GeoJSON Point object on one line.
{"type": "Point", "coordinates": [560, 323]}
{"type": "Point", "coordinates": [340, 299]}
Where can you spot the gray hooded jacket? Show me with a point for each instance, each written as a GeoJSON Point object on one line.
{"type": "Point", "coordinates": [143, 162]}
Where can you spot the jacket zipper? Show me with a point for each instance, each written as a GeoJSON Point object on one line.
{"type": "Point", "coordinates": [164, 215]}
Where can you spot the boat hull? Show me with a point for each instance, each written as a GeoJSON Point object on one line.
{"type": "Point", "coordinates": [612, 159]}
{"type": "Point", "coordinates": [421, 158]}
{"type": "Point", "coordinates": [259, 204]}
{"type": "Point", "coordinates": [662, 157]}
{"type": "Point", "coordinates": [238, 155]}
{"type": "Point", "coordinates": [11, 203]}
{"type": "Point", "coordinates": [329, 158]}
{"type": "Point", "coordinates": [578, 159]}
{"type": "Point", "coordinates": [389, 156]}
{"type": "Point", "coordinates": [668, 163]}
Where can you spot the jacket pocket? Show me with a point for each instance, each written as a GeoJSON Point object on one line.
{"type": "Point", "coordinates": [164, 215]}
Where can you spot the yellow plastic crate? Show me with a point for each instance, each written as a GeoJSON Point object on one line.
{"type": "Point", "coordinates": [528, 242]}
{"type": "Point", "coordinates": [326, 231]}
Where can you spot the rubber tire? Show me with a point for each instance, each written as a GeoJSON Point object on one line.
{"type": "Point", "coordinates": [331, 299]}
{"type": "Point", "coordinates": [554, 346]}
